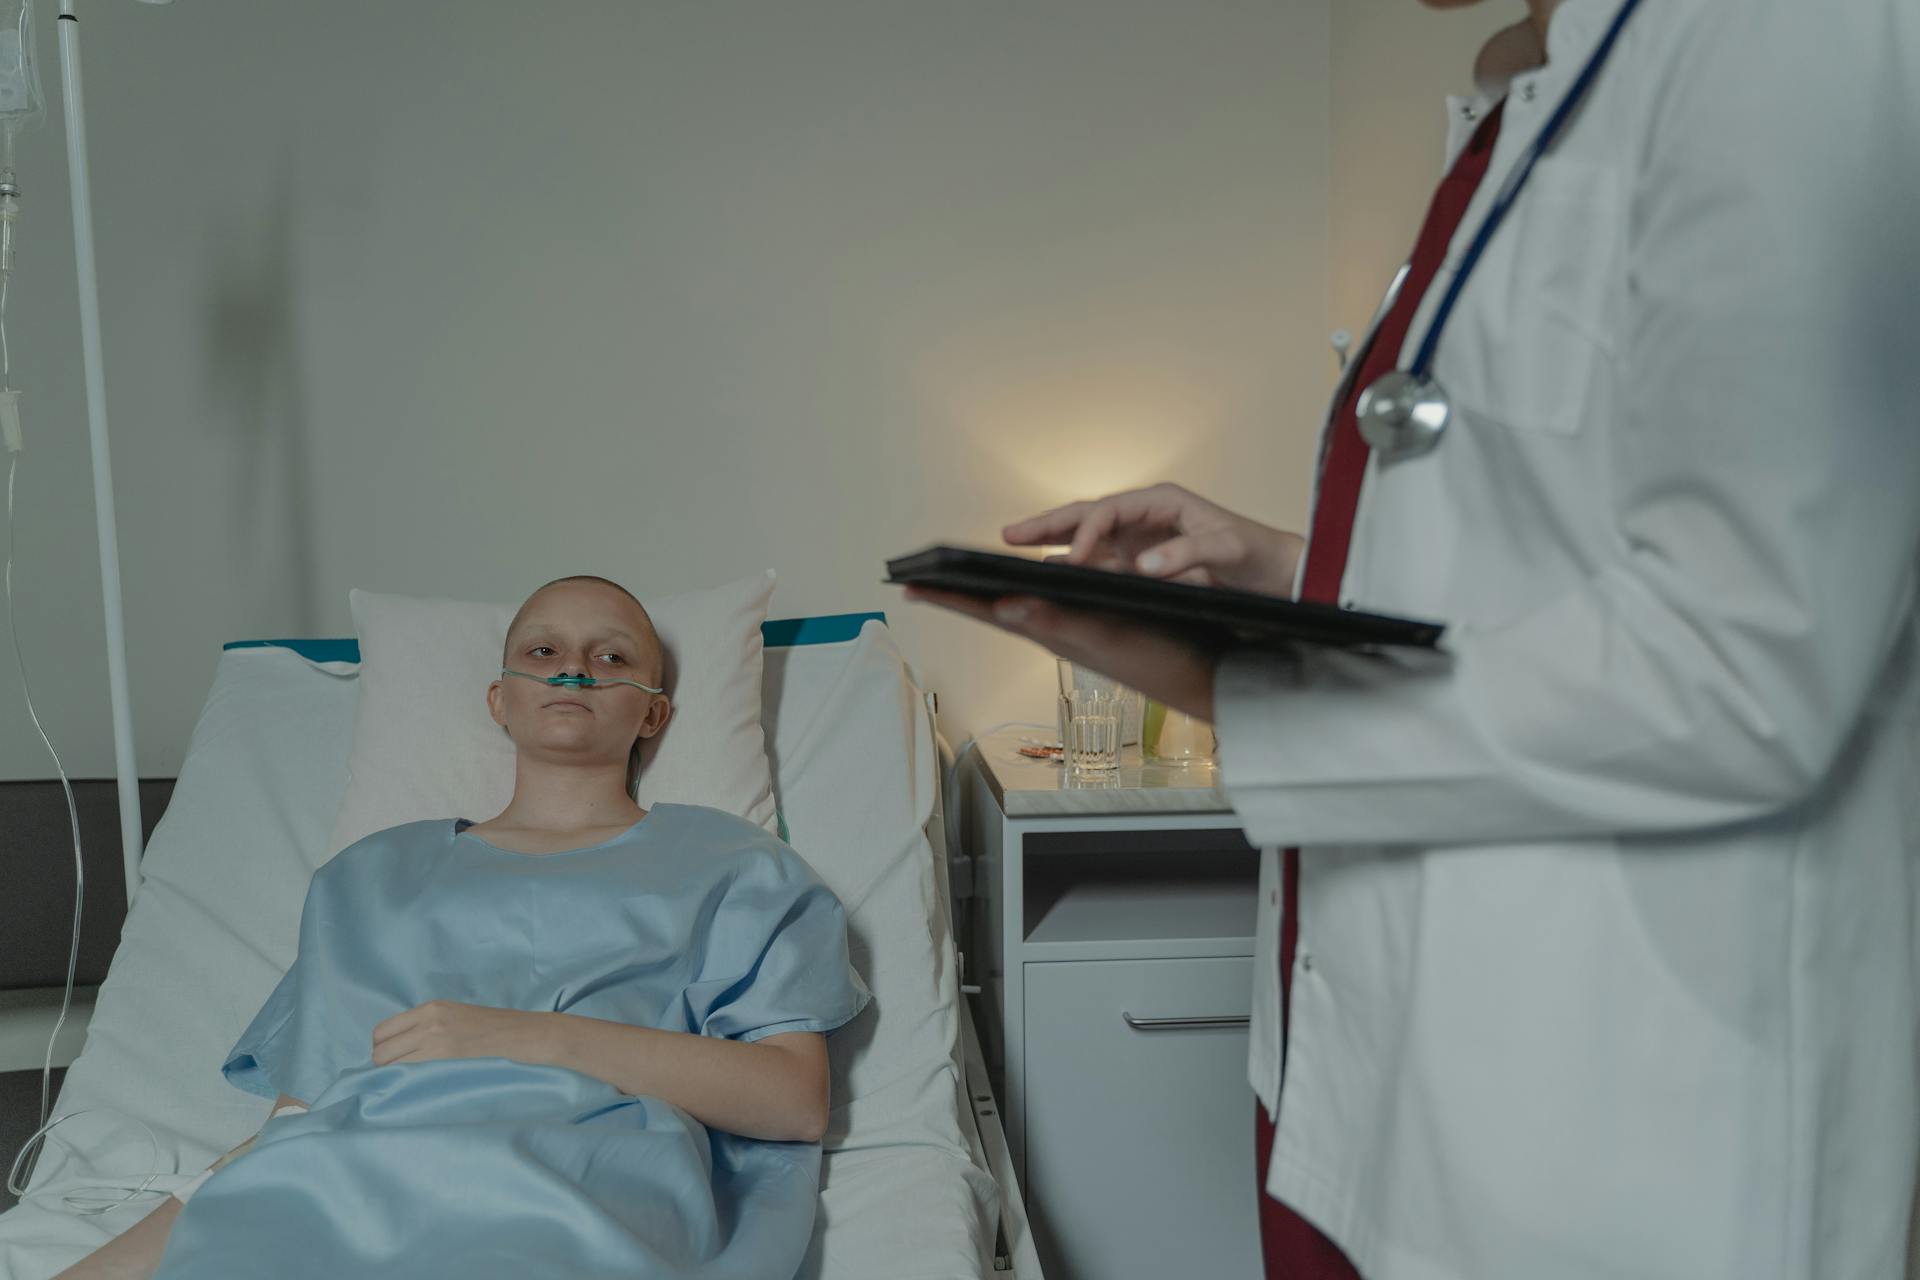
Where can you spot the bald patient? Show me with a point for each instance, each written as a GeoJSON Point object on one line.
{"type": "Point", "coordinates": [578, 750]}
{"type": "Point", "coordinates": [680, 966]}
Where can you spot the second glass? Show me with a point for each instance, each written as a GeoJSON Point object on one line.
{"type": "Point", "coordinates": [1169, 737]}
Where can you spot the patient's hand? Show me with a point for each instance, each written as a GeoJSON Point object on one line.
{"type": "Point", "coordinates": [449, 1029]}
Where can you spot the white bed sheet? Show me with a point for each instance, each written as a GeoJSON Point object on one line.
{"type": "Point", "coordinates": [226, 871]}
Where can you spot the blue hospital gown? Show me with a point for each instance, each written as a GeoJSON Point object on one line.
{"type": "Point", "coordinates": [692, 920]}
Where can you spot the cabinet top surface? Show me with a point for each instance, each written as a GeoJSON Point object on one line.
{"type": "Point", "coordinates": [1027, 788]}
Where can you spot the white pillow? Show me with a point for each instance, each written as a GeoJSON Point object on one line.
{"type": "Point", "coordinates": [424, 745]}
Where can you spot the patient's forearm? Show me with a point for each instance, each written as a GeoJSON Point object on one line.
{"type": "Point", "coordinates": [776, 1091]}
{"type": "Point", "coordinates": [134, 1254]}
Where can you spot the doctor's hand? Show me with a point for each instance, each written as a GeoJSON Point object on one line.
{"type": "Point", "coordinates": [448, 1029]}
{"type": "Point", "coordinates": [1167, 532]}
{"type": "Point", "coordinates": [1163, 666]}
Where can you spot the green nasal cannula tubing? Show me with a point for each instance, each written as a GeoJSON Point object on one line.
{"type": "Point", "coordinates": [577, 681]}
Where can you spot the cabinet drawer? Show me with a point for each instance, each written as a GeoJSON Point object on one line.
{"type": "Point", "coordinates": [1139, 1138]}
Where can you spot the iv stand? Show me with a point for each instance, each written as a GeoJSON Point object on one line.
{"type": "Point", "coordinates": [131, 838]}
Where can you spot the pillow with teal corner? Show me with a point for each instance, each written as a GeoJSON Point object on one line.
{"type": "Point", "coordinates": [424, 745]}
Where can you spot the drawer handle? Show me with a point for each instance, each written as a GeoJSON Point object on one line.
{"type": "Point", "coordinates": [1183, 1024]}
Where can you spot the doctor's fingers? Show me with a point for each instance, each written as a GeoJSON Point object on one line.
{"type": "Point", "coordinates": [1086, 523]}
{"type": "Point", "coordinates": [1106, 524]}
{"type": "Point", "coordinates": [1128, 522]}
{"type": "Point", "coordinates": [1054, 526]}
{"type": "Point", "coordinates": [1238, 553]}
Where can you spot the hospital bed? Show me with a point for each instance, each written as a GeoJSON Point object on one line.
{"type": "Point", "coordinates": [915, 1182]}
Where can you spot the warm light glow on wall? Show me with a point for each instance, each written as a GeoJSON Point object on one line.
{"type": "Point", "coordinates": [1051, 438]}
{"type": "Point", "coordinates": [1064, 453]}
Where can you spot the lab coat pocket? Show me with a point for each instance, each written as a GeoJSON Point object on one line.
{"type": "Point", "coordinates": [1535, 318]}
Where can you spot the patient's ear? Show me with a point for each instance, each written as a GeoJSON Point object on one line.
{"type": "Point", "coordinates": [657, 716]}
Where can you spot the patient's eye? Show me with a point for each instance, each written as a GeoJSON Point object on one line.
{"type": "Point", "coordinates": [610, 653]}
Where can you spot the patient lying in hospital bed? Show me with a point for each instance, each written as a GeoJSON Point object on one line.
{"type": "Point", "coordinates": [577, 1039]}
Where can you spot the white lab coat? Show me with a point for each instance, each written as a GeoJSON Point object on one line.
{"type": "Point", "coordinates": [1608, 946]}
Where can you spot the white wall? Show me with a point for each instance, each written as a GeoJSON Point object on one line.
{"type": "Point", "coordinates": [453, 298]}
{"type": "Point", "coordinates": [1393, 62]}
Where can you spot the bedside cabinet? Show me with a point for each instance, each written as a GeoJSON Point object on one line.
{"type": "Point", "coordinates": [1111, 934]}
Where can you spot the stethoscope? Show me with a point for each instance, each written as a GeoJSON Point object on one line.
{"type": "Point", "coordinates": [1405, 412]}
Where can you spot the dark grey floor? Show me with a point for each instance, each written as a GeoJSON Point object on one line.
{"type": "Point", "coordinates": [20, 1116]}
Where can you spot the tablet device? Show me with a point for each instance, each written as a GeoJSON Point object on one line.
{"type": "Point", "coordinates": [1217, 616]}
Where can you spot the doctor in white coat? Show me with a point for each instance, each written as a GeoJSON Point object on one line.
{"type": "Point", "coordinates": [1606, 927]}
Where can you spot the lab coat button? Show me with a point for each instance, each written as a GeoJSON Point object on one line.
{"type": "Point", "coordinates": [1306, 960]}
{"type": "Point", "coordinates": [1273, 897]}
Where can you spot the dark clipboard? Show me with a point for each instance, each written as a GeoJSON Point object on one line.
{"type": "Point", "coordinates": [1216, 616]}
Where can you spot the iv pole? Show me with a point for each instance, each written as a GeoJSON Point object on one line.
{"type": "Point", "coordinates": [131, 839]}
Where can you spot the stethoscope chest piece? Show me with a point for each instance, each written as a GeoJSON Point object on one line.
{"type": "Point", "coordinates": [1402, 415]}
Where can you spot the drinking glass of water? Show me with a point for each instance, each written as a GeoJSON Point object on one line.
{"type": "Point", "coordinates": [1093, 711]}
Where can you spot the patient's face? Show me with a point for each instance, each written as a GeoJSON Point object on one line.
{"type": "Point", "coordinates": [575, 628]}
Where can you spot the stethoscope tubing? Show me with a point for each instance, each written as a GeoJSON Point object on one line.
{"type": "Point", "coordinates": [1510, 190]}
